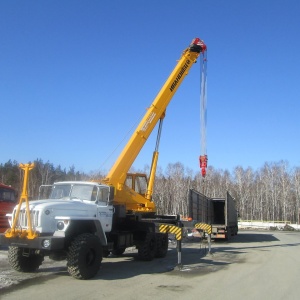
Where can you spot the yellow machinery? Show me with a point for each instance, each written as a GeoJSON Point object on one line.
{"type": "Point", "coordinates": [14, 230]}
{"type": "Point", "coordinates": [82, 229]}
{"type": "Point", "coordinates": [131, 189]}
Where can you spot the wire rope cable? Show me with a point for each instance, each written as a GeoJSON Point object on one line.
{"type": "Point", "coordinates": [203, 104]}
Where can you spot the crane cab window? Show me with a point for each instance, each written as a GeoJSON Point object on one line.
{"type": "Point", "coordinates": [140, 185]}
{"type": "Point", "coordinates": [129, 181]}
{"type": "Point", "coordinates": [137, 182]}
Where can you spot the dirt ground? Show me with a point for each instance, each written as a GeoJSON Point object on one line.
{"type": "Point", "coordinates": [262, 265]}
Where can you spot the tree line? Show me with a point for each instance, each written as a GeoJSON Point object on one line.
{"type": "Point", "coordinates": [271, 193]}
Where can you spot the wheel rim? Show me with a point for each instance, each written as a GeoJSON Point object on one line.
{"type": "Point", "coordinates": [90, 257]}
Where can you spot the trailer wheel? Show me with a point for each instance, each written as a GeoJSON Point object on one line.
{"type": "Point", "coordinates": [228, 235]}
{"type": "Point", "coordinates": [24, 263]}
{"type": "Point", "coordinates": [162, 241]}
{"type": "Point", "coordinates": [84, 256]}
{"type": "Point", "coordinates": [147, 249]}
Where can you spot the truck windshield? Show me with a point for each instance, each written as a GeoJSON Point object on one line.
{"type": "Point", "coordinates": [75, 191]}
{"type": "Point", "coordinates": [7, 195]}
{"type": "Point", "coordinates": [60, 191]}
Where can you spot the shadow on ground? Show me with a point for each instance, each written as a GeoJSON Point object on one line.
{"type": "Point", "coordinates": [195, 259]}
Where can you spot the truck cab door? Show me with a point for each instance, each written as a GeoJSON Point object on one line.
{"type": "Point", "coordinates": [105, 210]}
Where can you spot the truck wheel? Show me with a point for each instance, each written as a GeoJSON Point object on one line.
{"type": "Point", "coordinates": [227, 235]}
{"type": "Point", "coordinates": [21, 263]}
{"type": "Point", "coordinates": [162, 241]}
{"type": "Point", "coordinates": [118, 251]}
{"type": "Point", "coordinates": [84, 256]}
{"type": "Point", "coordinates": [147, 249]}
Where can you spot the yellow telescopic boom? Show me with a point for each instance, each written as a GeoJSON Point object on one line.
{"type": "Point", "coordinates": [117, 175]}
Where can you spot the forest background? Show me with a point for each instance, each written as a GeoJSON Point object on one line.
{"type": "Point", "coordinates": [271, 193]}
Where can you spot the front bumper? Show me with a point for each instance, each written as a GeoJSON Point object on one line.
{"type": "Point", "coordinates": [55, 242]}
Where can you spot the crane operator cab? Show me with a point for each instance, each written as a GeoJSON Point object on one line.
{"type": "Point", "coordinates": [137, 182]}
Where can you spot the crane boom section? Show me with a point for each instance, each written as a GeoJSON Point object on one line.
{"type": "Point", "coordinates": [117, 174]}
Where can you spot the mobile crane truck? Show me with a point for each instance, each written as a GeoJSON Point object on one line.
{"type": "Point", "coordinates": [83, 222]}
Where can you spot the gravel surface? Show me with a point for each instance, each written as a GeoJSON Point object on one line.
{"type": "Point", "coordinates": [253, 265]}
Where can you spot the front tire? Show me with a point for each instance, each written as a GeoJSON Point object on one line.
{"type": "Point", "coordinates": [24, 263]}
{"type": "Point", "coordinates": [84, 256]}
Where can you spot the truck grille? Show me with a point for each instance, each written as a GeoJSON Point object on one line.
{"type": "Point", "coordinates": [23, 221]}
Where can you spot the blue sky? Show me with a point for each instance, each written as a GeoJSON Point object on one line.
{"type": "Point", "coordinates": [76, 76]}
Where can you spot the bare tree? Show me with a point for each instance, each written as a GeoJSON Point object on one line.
{"type": "Point", "coordinates": [270, 193]}
{"type": "Point", "coordinates": [296, 189]}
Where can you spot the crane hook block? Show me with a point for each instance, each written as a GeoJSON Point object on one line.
{"type": "Point", "coordinates": [203, 164]}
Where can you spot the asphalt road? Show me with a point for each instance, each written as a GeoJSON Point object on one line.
{"type": "Point", "coordinates": [253, 265]}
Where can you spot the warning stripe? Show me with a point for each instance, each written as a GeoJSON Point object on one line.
{"type": "Point", "coordinates": [205, 227]}
{"type": "Point", "coordinates": [171, 229]}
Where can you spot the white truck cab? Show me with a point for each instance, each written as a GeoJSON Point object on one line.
{"type": "Point", "coordinates": [82, 200]}
{"type": "Point", "coordinates": [72, 224]}
{"type": "Point", "coordinates": [69, 200]}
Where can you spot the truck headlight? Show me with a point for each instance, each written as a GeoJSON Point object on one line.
{"type": "Point", "coordinates": [46, 243]}
{"type": "Point", "coordinates": [60, 225]}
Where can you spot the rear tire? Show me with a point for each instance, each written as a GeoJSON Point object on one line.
{"type": "Point", "coordinates": [147, 249]}
{"type": "Point", "coordinates": [21, 263]}
{"type": "Point", "coordinates": [162, 242]}
{"type": "Point", "coordinates": [84, 256]}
